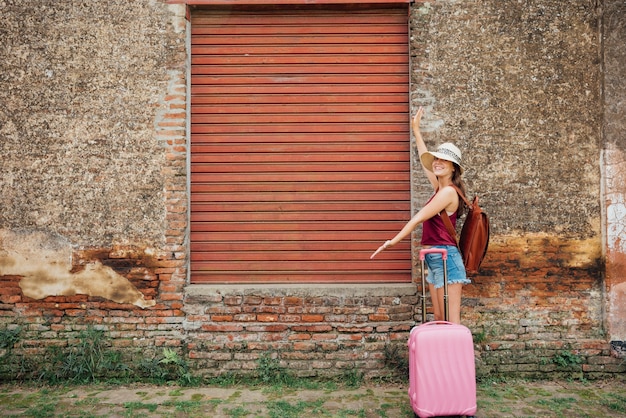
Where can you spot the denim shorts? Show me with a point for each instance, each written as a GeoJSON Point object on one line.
{"type": "Point", "coordinates": [456, 269]}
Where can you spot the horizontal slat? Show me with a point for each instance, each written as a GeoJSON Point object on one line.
{"type": "Point", "coordinates": [293, 3]}
{"type": "Point", "coordinates": [303, 18]}
{"type": "Point", "coordinates": [310, 68]}
{"type": "Point", "coordinates": [280, 89]}
{"type": "Point", "coordinates": [207, 206]}
{"type": "Point", "coordinates": [272, 237]}
{"type": "Point", "coordinates": [286, 265]}
{"type": "Point", "coordinates": [315, 79]}
{"type": "Point", "coordinates": [297, 99]}
{"type": "Point", "coordinates": [326, 177]}
{"type": "Point", "coordinates": [305, 186]}
{"type": "Point", "coordinates": [315, 60]}
{"type": "Point", "coordinates": [299, 49]}
{"type": "Point", "coordinates": [319, 216]}
{"type": "Point", "coordinates": [344, 226]}
{"type": "Point", "coordinates": [380, 275]}
{"type": "Point", "coordinates": [288, 118]}
{"type": "Point", "coordinates": [202, 32]}
{"type": "Point", "coordinates": [296, 167]}
{"type": "Point", "coordinates": [357, 137]}
{"type": "Point", "coordinates": [343, 110]}
{"type": "Point", "coordinates": [291, 148]}
{"type": "Point", "coordinates": [277, 158]}
{"type": "Point", "coordinates": [279, 246]}
{"type": "Point", "coordinates": [300, 128]}
{"type": "Point", "coordinates": [283, 197]}
{"type": "Point", "coordinates": [237, 38]}
{"type": "Point", "coordinates": [328, 256]}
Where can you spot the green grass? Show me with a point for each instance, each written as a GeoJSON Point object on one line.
{"type": "Point", "coordinates": [495, 399]}
{"type": "Point", "coordinates": [284, 409]}
{"type": "Point", "coordinates": [237, 412]}
{"type": "Point", "coordinates": [615, 402]}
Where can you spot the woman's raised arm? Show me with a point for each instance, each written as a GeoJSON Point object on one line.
{"type": "Point", "coordinates": [421, 146]}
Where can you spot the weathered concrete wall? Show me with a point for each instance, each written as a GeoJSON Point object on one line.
{"type": "Point", "coordinates": [94, 189]}
{"type": "Point", "coordinates": [614, 166]}
{"type": "Point", "coordinates": [518, 86]}
{"type": "Point", "coordinates": [80, 100]}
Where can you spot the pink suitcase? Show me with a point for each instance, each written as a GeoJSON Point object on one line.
{"type": "Point", "coordinates": [442, 373]}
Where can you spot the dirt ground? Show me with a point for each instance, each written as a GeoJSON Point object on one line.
{"type": "Point", "coordinates": [510, 399]}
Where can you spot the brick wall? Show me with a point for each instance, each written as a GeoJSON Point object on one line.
{"type": "Point", "coordinates": [312, 330]}
{"type": "Point", "coordinates": [94, 190]}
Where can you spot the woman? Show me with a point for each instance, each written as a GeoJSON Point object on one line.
{"type": "Point", "coordinates": [443, 168]}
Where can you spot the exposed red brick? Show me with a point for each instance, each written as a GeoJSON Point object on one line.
{"type": "Point", "coordinates": [312, 318]}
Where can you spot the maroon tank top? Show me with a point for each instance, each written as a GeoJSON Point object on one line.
{"type": "Point", "coordinates": [434, 231]}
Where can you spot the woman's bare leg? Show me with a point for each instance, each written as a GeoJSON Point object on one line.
{"type": "Point", "coordinates": [436, 297]}
{"type": "Point", "coordinates": [454, 302]}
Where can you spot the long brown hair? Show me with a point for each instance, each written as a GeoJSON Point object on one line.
{"type": "Point", "coordinates": [458, 182]}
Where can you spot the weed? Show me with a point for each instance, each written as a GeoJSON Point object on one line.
{"type": "Point", "coordinates": [90, 401]}
{"type": "Point", "coordinates": [396, 360]}
{"type": "Point", "coordinates": [9, 337]}
{"type": "Point", "coordinates": [134, 406]}
{"type": "Point", "coordinates": [351, 413]}
{"type": "Point", "coordinates": [271, 373]}
{"type": "Point", "coordinates": [353, 377]}
{"type": "Point", "coordinates": [235, 395]}
{"type": "Point", "coordinates": [10, 366]}
{"type": "Point", "coordinates": [87, 361]}
{"type": "Point", "coordinates": [237, 412]}
{"type": "Point", "coordinates": [171, 357]}
{"type": "Point", "coordinates": [382, 411]}
{"type": "Point", "coordinates": [615, 402]}
{"type": "Point", "coordinates": [171, 367]}
{"type": "Point", "coordinates": [480, 337]}
{"type": "Point", "coordinates": [227, 379]}
{"type": "Point", "coordinates": [41, 410]}
{"type": "Point", "coordinates": [176, 392]}
{"type": "Point", "coordinates": [43, 406]}
{"type": "Point", "coordinates": [185, 406]}
{"type": "Point", "coordinates": [566, 359]}
{"type": "Point", "coordinates": [284, 409]}
{"type": "Point", "coordinates": [558, 406]}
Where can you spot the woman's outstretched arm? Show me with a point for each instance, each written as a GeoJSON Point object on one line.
{"type": "Point", "coordinates": [439, 202]}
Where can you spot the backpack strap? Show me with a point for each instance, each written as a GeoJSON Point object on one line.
{"type": "Point", "coordinates": [460, 193]}
{"type": "Point", "coordinates": [448, 223]}
{"type": "Point", "coordinates": [446, 219]}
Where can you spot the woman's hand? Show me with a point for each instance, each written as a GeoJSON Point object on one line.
{"type": "Point", "coordinates": [417, 118]}
{"type": "Point", "coordinates": [383, 247]}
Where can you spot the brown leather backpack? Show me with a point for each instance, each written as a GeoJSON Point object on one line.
{"type": "Point", "coordinates": [474, 238]}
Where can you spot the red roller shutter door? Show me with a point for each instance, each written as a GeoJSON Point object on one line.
{"type": "Point", "coordinates": [299, 144]}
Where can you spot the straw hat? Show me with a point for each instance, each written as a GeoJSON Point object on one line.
{"type": "Point", "coordinates": [446, 151]}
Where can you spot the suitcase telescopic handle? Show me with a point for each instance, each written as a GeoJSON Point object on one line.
{"type": "Point", "coordinates": [444, 256]}
{"type": "Point", "coordinates": [442, 251]}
